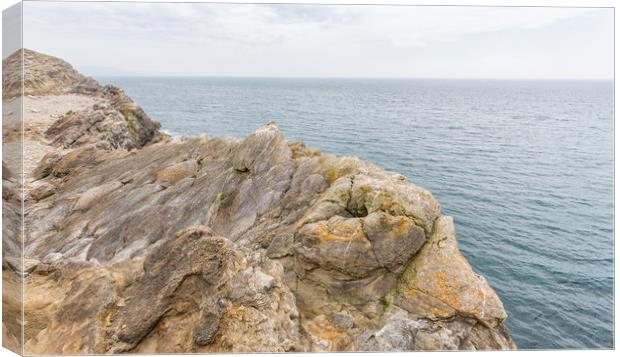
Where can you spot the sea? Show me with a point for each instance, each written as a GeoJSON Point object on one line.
{"type": "Point", "coordinates": [524, 167]}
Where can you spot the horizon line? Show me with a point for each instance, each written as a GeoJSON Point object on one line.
{"type": "Point", "coordinates": [337, 77]}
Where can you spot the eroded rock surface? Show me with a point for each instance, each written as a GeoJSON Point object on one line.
{"type": "Point", "coordinates": [42, 75]}
{"type": "Point", "coordinates": [143, 244]}
{"type": "Point", "coordinates": [116, 122]}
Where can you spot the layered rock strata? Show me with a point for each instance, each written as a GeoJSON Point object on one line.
{"type": "Point", "coordinates": [139, 243]}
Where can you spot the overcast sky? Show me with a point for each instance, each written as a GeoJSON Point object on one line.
{"type": "Point", "coordinates": [323, 40]}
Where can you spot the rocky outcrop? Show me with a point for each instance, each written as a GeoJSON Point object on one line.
{"type": "Point", "coordinates": [42, 75]}
{"type": "Point", "coordinates": [194, 293]}
{"type": "Point", "coordinates": [11, 218]}
{"type": "Point", "coordinates": [227, 245]}
{"type": "Point", "coordinates": [115, 123]}
{"type": "Point", "coordinates": [442, 283]}
{"type": "Point", "coordinates": [12, 297]}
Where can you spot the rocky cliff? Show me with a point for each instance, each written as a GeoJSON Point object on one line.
{"type": "Point", "coordinates": [138, 243]}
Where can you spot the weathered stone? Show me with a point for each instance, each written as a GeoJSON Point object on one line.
{"type": "Point", "coordinates": [397, 334]}
{"type": "Point", "coordinates": [203, 334]}
{"type": "Point", "coordinates": [299, 149]}
{"type": "Point", "coordinates": [395, 197]}
{"type": "Point", "coordinates": [175, 172]}
{"type": "Point", "coordinates": [42, 191]}
{"type": "Point", "coordinates": [42, 75]}
{"type": "Point", "coordinates": [11, 218]}
{"type": "Point", "coordinates": [141, 129]}
{"type": "Point", "coordinates": [440, 283]}
{"type": "Point", "coordinates": [338, 244]}
{"type": "Point", "coordinates": [46, 165]}
{"type": "Point", "coordinates": [90, 197]}
{"type": "Point", "coordinates": [325, 336]}
{"type": "Point", "coordinates": [75, 326]}
{"type": "Point", "coordinates": [351, 247]}
{"type": "Point", "coordinates": [114, 123]}
{"type": "Point", "coordinates": [103, 127]}
{"type": "Point", "coordinates": [76, 161]}
{"type": "Point", "coordinates": [6, 173]}
{"type": "Point", "coordinates": [265, 142]}
{"type": "Point", "coordinates": [192, 254]}
{"type": "Point", "coordinates": [192, 282]}
{"type": "Point", "coordinates": [150, 245]}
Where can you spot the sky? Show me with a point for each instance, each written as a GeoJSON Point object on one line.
{"type": "Point", "coordinates": [196, 39]}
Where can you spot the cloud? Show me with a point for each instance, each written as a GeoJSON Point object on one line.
{"type": "Point", "coordinates": [227, 38]}
{"type": "Point", "coordinates": [403, 25]}
{"type": "Point", "coordinates": [422, 26]}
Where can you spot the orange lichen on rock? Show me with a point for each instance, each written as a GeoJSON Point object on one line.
{"type": "Point", "coordinates": [336, 230]}
{"type": "Point", "coordinates": [299, 149]}
{"type": "Point", "coordinates": [326, 336]}
{"type": "Point", "coordinates": [441, 283]}
{"type": "Point", "coordinates": [336, 167]}
{"type": "Point", "coordinates": [234, 312]}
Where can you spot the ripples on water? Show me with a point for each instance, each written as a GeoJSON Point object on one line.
{"type": "Point", "coordinates": [525, 168]}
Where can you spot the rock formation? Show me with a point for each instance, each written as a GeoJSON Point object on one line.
{"type": "Point", "coordinates": [135, 242]}
{"type": "Point", "coordinates": [115, 123]}
{"type": "Point", "coordinates": [42, 75]}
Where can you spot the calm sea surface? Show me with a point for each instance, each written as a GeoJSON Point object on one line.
{"type": "Point", "coordinates": [524, 167]}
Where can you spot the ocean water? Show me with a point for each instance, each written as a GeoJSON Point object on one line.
{"type": "Point", "coordinates": [524, 167]}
